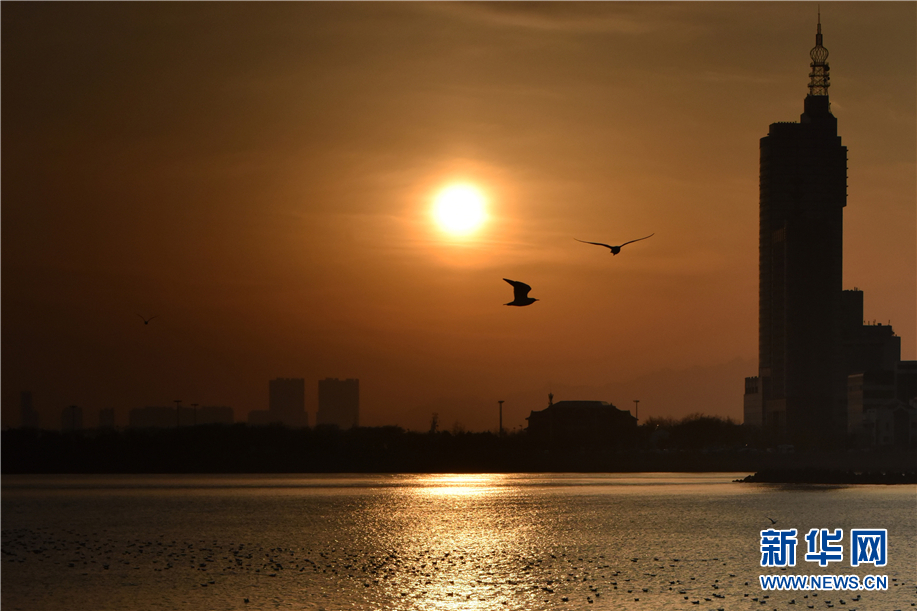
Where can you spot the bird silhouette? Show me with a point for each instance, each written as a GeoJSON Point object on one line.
{"type": "Point", "coordinates": [520, 294]}
{"type": "Point", "coordinates": [146, 321]}
{"type": "Point", "coordinates": [615, 249]}
{"type": "Point", "coordinates": [773, 521]}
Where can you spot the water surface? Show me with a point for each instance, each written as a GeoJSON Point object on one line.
{"type": "Point", "coordinates": [516, 541]}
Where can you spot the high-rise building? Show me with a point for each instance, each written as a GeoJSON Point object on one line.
{"type": "Point", "coordinates": [803, 192]}
{"type": "Point", "coordinates": [339, 402]}
{"type": "Point", "coordinates": [287, 401]}
{"type": "Point", "coordinates": [823, 373]}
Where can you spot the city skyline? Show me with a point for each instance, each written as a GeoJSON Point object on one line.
{"type": "Point", "coordinates": [264, 187]}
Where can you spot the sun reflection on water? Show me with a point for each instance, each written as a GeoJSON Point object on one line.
{"type": "Point", "coordinates": [460, 485]}
{"type": "Point", "coordinates": [457, 542]}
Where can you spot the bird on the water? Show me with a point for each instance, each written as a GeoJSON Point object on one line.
{"type": "Point", "coordinates": [520, 294]}
{"type": "Point", "coordinates": [615, 249]}
{"type": "Point", "coordinates": [146, 321]}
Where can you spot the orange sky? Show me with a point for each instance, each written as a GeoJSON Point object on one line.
{"type": "Point", "coordinates": [260, 176]}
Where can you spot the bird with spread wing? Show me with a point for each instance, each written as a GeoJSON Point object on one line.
{"type": "Point", "coordinates": [615, 249]}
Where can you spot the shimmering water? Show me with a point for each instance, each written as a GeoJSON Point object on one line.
{"type": "Point", "coordinates": [527, 542]}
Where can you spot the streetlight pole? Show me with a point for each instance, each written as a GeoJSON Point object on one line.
{"type": "Point", "coordinates": [637, 410]}
{"type": "Point", "coordinates": [501, 418]}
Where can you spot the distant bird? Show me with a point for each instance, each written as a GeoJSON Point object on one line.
{"type": "Point", "coordinates": [520, 294]}
{"type": "Point", "coordinates": [773, 521]}
{"type": "Point", "coordinates": [615, 249]}
{"type": "Point", "coordinates": [146, 321]}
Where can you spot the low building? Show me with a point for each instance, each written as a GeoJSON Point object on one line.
{"type": "Point", "coordinates": [582, 422]}
{"type": "Point", "coordinates": [895, 426]}
{"type": "Point", "coordinates": [880, 406]}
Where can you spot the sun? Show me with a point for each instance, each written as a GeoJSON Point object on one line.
{"type": "Point", "coordinates": [459, 209]}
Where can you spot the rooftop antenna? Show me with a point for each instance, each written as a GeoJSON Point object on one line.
{"type": "Point", "coordinates": [818, 78]}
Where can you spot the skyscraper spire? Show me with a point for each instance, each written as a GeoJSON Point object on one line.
{"type": "Point", "coordinates": [818, 83]}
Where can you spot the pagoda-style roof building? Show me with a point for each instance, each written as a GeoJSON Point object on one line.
{"type": "Point", "coordinates": [586, 422]}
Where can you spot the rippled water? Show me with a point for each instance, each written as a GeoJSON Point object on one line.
{"type": "Point", "coordinates": [620, 541]}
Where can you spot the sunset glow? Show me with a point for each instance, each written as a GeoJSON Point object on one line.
{"type": "Point", "coordinates": [295, 193]}
{"type": "Point", "coordinates": [447, 306]}
{"type": "Point", "coordinates": [459, 209]}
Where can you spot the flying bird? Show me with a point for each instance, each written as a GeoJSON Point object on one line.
{"type": "Point", "coordinates": [773, 521]}
{"type": "Point", "coordinates": [146, 321]}
{"type": "Point", "coordinates": [520, 294]}
{"type": "Point", "coordinates": [615, 249]}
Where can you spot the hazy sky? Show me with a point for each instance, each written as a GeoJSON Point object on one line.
{"type": "Point", "coordinates": [260, 176]}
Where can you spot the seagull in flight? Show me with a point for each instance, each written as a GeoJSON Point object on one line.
{"type": "Point", "coordinates": [615, 249]}
{"type": "Point", "coordinates": [773, 521]}
{"type": "Point", "coordinates": [520, 294]}
{"type": "Point", "coordinates": [146, 321]}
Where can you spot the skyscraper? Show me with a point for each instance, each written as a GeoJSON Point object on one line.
{"type": "Point", "coordinates": [803, 192]}
{"type": "Point", "coordinates": [339, 402]}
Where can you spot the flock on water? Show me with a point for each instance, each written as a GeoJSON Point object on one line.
{"type": "Point", "coordinates": [261, 573]}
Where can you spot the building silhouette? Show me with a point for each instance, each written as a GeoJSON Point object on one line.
{"type": "Point", "coordinates": [881, 388]}
{"type": "Point", "coordinates": [339, 402]}
{"type": "Point", "coordinates": [803, 191]}
{"type": "Point", "coordinates": [30, 418]}
{"type": "Point", "coordinates": [286, 404]}
{"type": "Point", "coordinates": [584, 423]}
{"type": "Point", "coordinates": [811, 334]}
